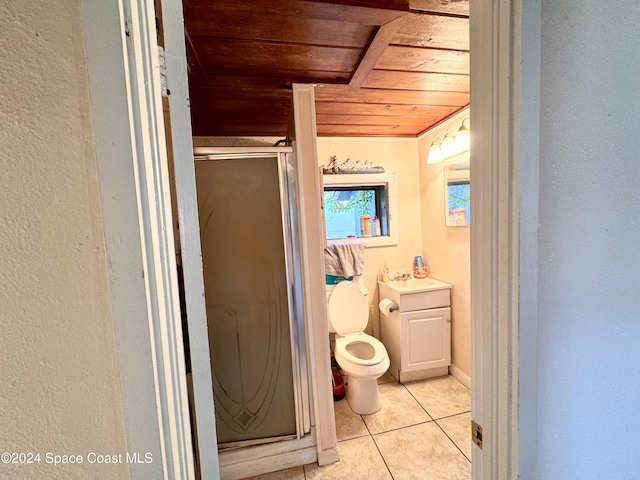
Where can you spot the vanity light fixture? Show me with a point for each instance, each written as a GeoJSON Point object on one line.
{"type": "Point", "coordinates": [435, 152]}
{"type": "Point", "coordinates": [452, 144]}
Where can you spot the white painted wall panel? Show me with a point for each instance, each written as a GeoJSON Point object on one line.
{"type": "Point", "coordinates": [59, 384]}
{"type": "Point", "coordinates": [589, 242]}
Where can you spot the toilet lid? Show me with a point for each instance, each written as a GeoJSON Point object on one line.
{"type": "Point", "coordinates": [348, 309]}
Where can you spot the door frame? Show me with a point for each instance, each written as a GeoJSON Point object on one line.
{"type": "Point", "coordinates": [179, 120]}
{"type": "Point", "coordinates": [496, 92]}
{"type": "Point", "coordinates": [504, 208]}
{"type": "Point", "coordinates": [123, 67]}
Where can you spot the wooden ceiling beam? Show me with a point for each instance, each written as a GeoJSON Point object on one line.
{"type": "Point", "coordinates": [381, 41]}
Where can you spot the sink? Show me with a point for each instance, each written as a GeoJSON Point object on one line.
{"type": "Point", "coordinates": [417, 285]}
{"type": "Point", "coordinates": [416, 293]}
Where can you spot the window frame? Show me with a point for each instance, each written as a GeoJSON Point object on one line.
{"type": "Point", "coordinates": [363, 181]}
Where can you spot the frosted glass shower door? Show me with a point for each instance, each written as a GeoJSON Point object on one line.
{"type": "Point", "coordinates": [244, 248]}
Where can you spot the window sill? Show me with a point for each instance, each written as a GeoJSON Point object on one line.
{"type": "Point", "coordinates": [369, 242]}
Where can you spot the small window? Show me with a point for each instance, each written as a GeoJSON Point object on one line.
{"type": "Point", "coordinates": [355, 212]}
{"type": "Point", "coordinates": [358, 206]}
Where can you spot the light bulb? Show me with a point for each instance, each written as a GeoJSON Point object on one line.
{"type": "Point", "coordinates": [435, 153]}
{"type": "Point", "coordinates": [463, 138]}
{"type": "Point", "coordinates": [448, 146]}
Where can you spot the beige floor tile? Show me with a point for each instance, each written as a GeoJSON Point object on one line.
{"type": "Point", "coordinates": [458, 429]}
{"type": "Point", "coordinates": [348, 423]}
{"type": "Point", "coordinates": [387, 378]}
{"type": "Point", "coordinates": [295, 473]}
{"type": "Point", "coordinates": [359, 460]}
{"type": "Point", "coordinates": [399, 409]}
{"type": "Point", "coordinates": [442, 396]}
{"type": "Point", "coordinates": [422, 452]}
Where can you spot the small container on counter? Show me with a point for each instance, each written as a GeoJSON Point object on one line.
{"type": "Point", "coordinates": [419, 269]}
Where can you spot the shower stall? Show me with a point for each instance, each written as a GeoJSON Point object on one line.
{"type": "Point", "coordinates": [251, 254]}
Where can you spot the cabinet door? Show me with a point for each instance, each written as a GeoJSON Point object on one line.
{"type": "Point", "coordinates": [426, 339]}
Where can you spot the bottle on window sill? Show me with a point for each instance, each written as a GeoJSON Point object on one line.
{"type": "Point", "coordinates": [376, 226]}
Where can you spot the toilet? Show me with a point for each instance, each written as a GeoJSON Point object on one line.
{"type": "Point", "coordinates": [362, 357]}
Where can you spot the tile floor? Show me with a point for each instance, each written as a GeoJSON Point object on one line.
{"type": "Point", "coordinates": [422, 432]}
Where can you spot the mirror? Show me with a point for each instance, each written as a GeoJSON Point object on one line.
{"type": "Point", "coordinates": [457, 193]}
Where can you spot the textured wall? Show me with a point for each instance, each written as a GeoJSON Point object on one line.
{"type": "Point", "coordinates": [59, 388]}
{"type": "Point", "coordinates": [589, 237]}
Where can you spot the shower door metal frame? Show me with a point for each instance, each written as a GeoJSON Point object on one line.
{"type": "Point", "coordinates": [295, 301]}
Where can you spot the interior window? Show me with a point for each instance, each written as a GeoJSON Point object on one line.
{"type": "Point", "coordinates": [355, 212]}
{"type": "Point", "coordinates": [360, 206]}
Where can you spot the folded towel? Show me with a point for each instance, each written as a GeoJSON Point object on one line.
{"type": "Point", "coordinates": [344, 259]}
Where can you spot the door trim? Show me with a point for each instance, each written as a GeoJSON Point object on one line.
{"type": "Point", "coordinates": [179, 120]}
{"type": "Point", "coordinates": [495, 32]}
{"type": "Point", "coordinates": [127, 121]}
{"type": "Point", "coordinates": [302, 134]}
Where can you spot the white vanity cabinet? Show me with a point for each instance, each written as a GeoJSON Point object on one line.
{"type": "Point", "coordinates": [418, 335]}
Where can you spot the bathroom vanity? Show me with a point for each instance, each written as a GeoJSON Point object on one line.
{"type": "Point", "coordinates": [417, 335]}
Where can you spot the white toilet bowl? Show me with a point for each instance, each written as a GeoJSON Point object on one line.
{"type": "Point", "coordinates": [362, 357]}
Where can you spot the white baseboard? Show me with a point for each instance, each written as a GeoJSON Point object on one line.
{"type": "Point", "coordinates": [459, 375]}
{"type": "Point", "coordinates": [423, 374]}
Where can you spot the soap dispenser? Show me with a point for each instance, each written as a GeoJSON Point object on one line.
{"type": "Point", "coordinates": [385, 273]}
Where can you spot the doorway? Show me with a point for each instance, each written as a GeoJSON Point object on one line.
{"type": "Point", "coordinates": [495, 309]}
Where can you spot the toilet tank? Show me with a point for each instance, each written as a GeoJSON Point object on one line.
{"type": "Point", "coordinates": [357, 279]}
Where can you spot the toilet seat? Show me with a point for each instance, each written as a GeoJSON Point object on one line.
{"type": "Point", "coordinates": [348, 309]}
{"type": "Point", "coordinates": [344, 346]}
{"type": "Point", "coordinates": [349, 315]}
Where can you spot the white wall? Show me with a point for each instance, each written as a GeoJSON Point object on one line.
{"type": "Point", "coordinates": [588, 344]}
{"type": "Point", "coordinates": [446, 249]}
{"type": "Point", "coordinates": [397, 156]}
{"type": "Point", "coordinates": [59, 383]}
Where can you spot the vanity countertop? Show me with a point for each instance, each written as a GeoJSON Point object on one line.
{"type": "Point", "coordinates": [414, 285]}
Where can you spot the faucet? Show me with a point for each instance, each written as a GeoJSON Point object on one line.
{"type": "Point", "coordinates": [402, 276]}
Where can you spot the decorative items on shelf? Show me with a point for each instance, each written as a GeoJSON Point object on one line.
{"type": "Point", "coordinates": [349, 166]}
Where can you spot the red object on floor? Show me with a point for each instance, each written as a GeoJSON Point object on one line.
{"type": "Point", "coordinates": [338, 387]}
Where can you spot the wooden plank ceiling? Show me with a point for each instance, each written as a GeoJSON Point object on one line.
{"type": "Point", "coordinates": [381, 68]}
